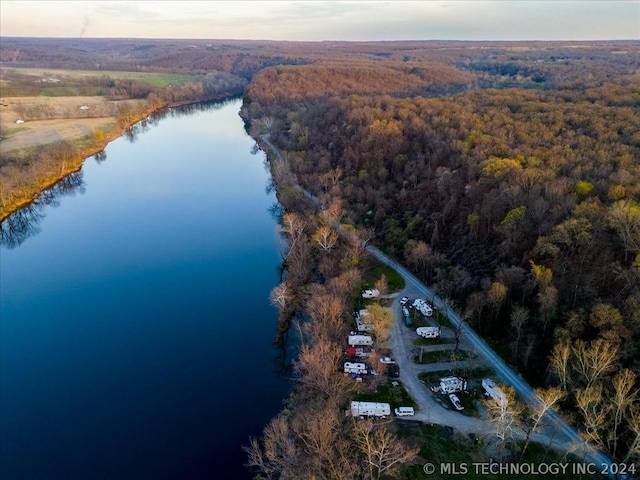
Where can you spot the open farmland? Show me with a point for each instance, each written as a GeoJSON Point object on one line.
{"type": "Point", "coordinates": [53, 119]}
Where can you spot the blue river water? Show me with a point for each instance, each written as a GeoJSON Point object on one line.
{"type": "Point", "coordinates": [135, 326]}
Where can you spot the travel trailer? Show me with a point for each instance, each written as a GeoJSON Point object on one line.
{"type": "Point", "coordinates": [370, 293]}
{"type": "Point", "coordinates": [350, 367]}
{"type": "Point", "coordinates": [370, 409]}
{"type": "Point", "coordinates": [428, 332]}
{"type": "Point", "coordinates": [493, 391]}
{"type": "Point", "coordinates": [360, 340]}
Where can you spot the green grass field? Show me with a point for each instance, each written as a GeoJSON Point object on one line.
{"type": "Point", "coordinates": [155, 79]}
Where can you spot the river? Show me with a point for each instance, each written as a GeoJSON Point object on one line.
{"type": "Point", "coordinates": [135, 334]}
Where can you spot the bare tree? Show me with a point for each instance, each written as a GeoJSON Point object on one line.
{"type": "Point", "coordinates": [595, 413]}
{"type": "Point", "coordinates": [381, 285]}
{"type": "Point", "coordinates": [505, 417]}
{"type": "Point", "coordinates": [281, 295]}
{"type": "Point", "coordinates": [326, 237]}
{"type": "Point", "coordinates": [592, 361]}
{"type": "Point", "coordinates": [293, 226]}
{"type": "Point", "coordinates": [548, 398]}
{"type": "Point", "coordinates": [318, 366]}
{"type": "Point", "coordinates": [622, 399]}
{"type": "Point", "coordinates": [280, 457]}
{"type": "Point", "coordinates": [559, 363]}
{"type": "Point", "coordinates": [519, 317]}
{"type": "Point", "coordinates": [382, 451]}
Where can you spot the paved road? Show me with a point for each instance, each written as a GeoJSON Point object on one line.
{"type": "Point", "coordinates": [558, 432]}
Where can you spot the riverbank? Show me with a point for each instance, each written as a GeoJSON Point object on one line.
{"type": "Point", "coordinates": [57, 160]}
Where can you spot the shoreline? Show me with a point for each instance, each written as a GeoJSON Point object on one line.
{"type": "Point", "coordinates": [84, 154]}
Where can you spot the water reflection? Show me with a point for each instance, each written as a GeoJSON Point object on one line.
{"type": "Point", "coordinates": [25, 222]}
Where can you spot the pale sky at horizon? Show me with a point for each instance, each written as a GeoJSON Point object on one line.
{"type": "Point", "coordinates": [325, 20]}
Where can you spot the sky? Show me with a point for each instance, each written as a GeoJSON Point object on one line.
{"type": "Point", "coordinates": [325, 20]}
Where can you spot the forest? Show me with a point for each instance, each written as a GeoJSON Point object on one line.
{"type": "Point", "coordinates": [505, 175]}
{"type": "Point", "coordinates": [510, 183]}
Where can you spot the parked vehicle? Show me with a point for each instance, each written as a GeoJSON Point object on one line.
{"type": "Point", "coordinates": [404, 412]}
{"type": "Point", "coordinates": [423, 307]}
{"type": "Point", "coordinates": [364, 326]}
{"type": "Point", "coordinates": [407, 321]}
{"type": "Point", "coordinates": [493, 391]}
{"type": "Point", "coordinates": [370, 409]}
{"type": "Point", "coordinates": [405, 311]}
{"type": "Point", "coordinates": [350, 367]}
{"type": "Point", "coordinates": [372, 293]}
{"type": "Point", "coordinates": [428, 332]}
{"type": "Point", "coordinates": [360, 340]}
{"type": "Point", "coordinates": [456, 401]}
{"type": "Point", "coordinates": [360, 352]}
{"type": "Point", "coordinates": [387, 360]}
{"type": "Point", "coordinates": [404, 300]}
{"type": "Point", "coordinates": [392, 371]}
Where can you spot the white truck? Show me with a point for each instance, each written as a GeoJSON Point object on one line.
{"type": "Point", "coordinates": [428, 332]}
{"type": "Point", "coordinates": [370, 409]}
{"type": "Point", "coordinates": [351, 367]}
{"type": "Point", "coordinates": [422, 306]}
{"type": "Point", "coordinates": [360, 340]}
{"type": "Point", "coordinates": [451, 385]}
{"type": "Point", "coordinates": [493, 391]}
{"type": "Point", "coordinates": [371, 293]}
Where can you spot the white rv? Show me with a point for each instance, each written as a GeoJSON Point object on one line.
{"type": "Point", "coordinates": [370, 409]}
{"type": "Point", "coordinates": [452, 385]}
{"type": "Point", "coordinates": [493, 391]}
{"type": "Point", "coordinates": [423, 307]}
{"type": "Point", "coordinates": [360, 340]}
{"type": "Point", "coordinates": [350, 367]}
{"type": "Point", "coordinates": [372, 293]}
{"type": "Point", "coordinates": [428, 332]}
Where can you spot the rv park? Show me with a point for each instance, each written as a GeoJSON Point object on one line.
{"type": "Point", "coordinates": [474, 374]}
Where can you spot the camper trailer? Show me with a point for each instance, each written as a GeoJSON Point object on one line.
{"type": "Point", "coordinates": [362, 323]}
{"type": "Point", "coordinates": [360, 352]}
{"type": "Point", "coordinates": [364, 326]}
{"type": "Point", "coordinates": [360, 340]}
{"type": "Point", "coordinates": [370, 293]}
{"type": "Point", "coordinates": [451, 385]}
{"type": "Point", "coordinates": [370, 409]}
{"type": "Point", "coordinates": [350, 367]}
{"type": "Point", "coordinates": [428, 332]}
{"type": "Point", "coordinates": [423, 307]}
{"type": "Point", "coordinates": [493, 391]}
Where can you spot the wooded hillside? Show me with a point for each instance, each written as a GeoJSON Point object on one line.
{"type": "Point", "coordinates": [521, 204]}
